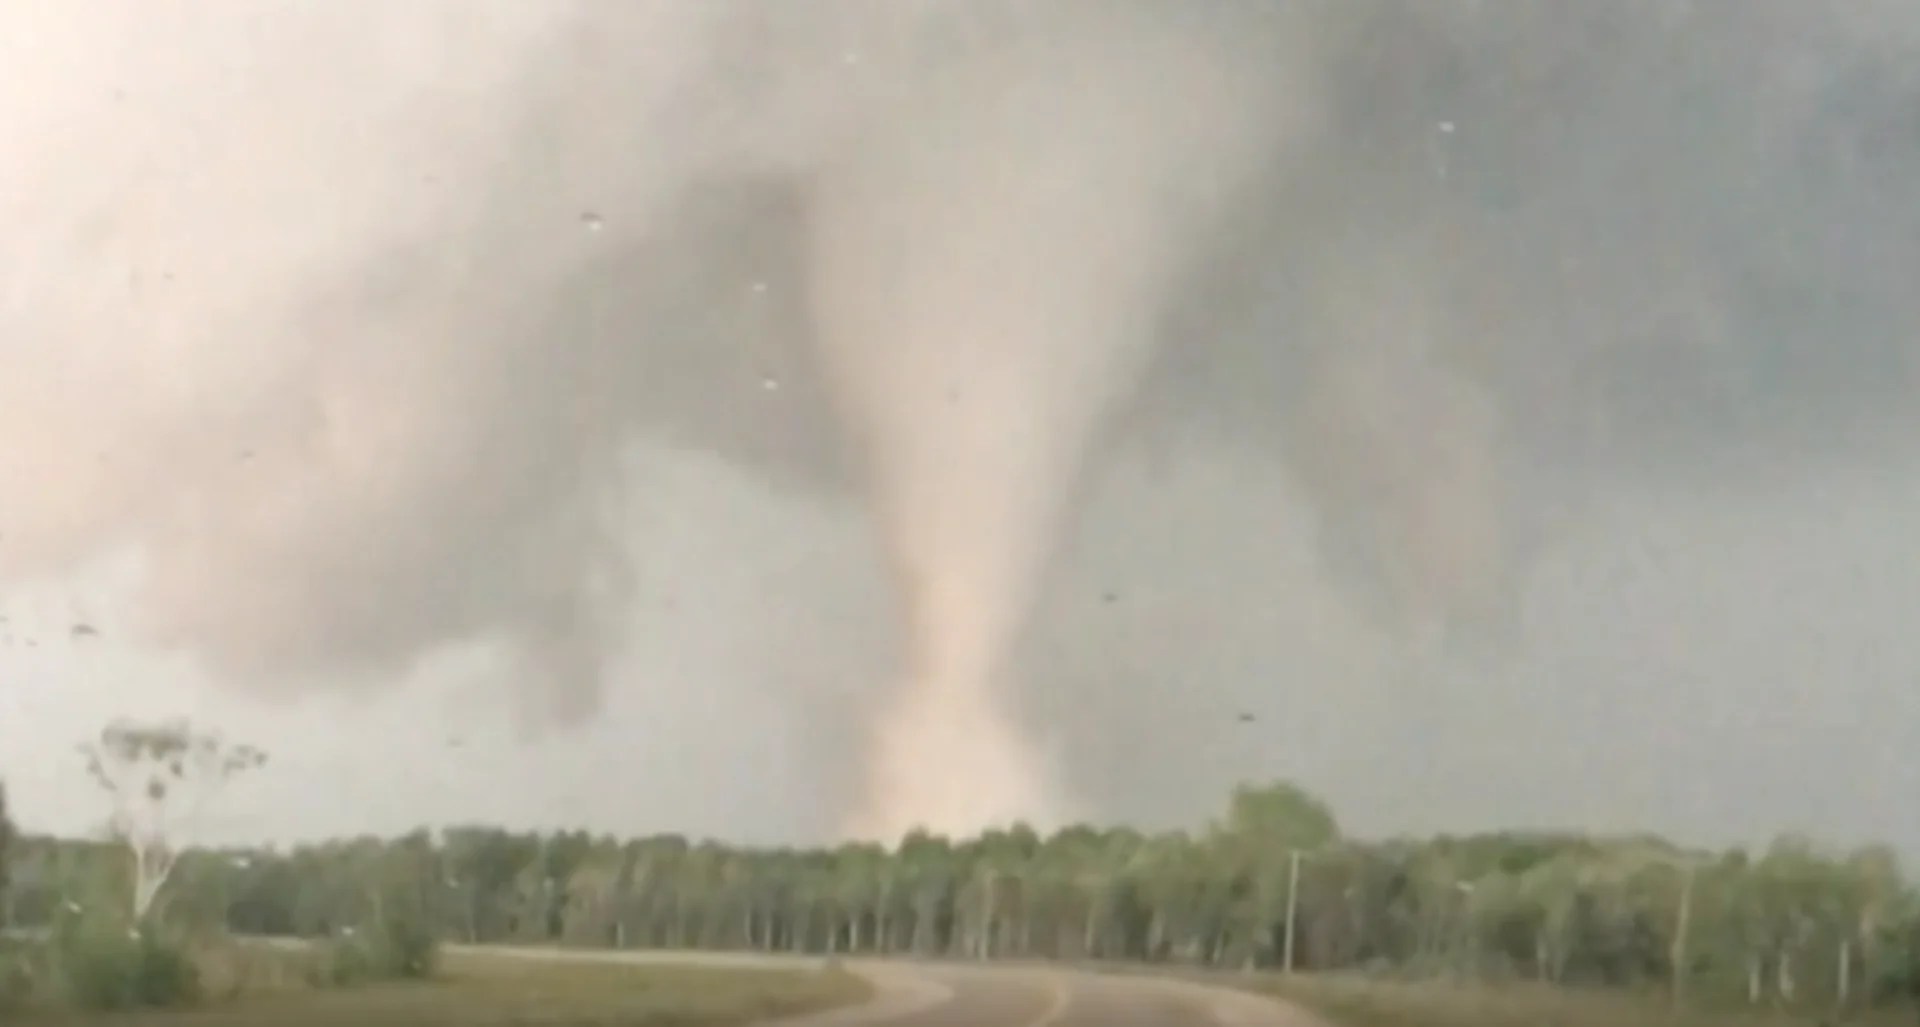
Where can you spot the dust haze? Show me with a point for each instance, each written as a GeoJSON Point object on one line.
{"type": "Point", "coordinates": [341, 327]}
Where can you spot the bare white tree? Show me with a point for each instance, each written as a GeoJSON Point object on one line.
{"type": "Point", "coordinates": [159, 778]}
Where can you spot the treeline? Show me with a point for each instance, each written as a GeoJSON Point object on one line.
{"type": "Point", "coordinates": [76, 933]}
{"type": "Point", "coordinates": [1272, 884]}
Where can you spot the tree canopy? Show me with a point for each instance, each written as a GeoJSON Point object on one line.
{"type": "Point", "coordinates": [159, 778]}
{"type": "Point", "coordinates": [1792, 924]}
{"type": "Point", "coordinates": [6, 852]}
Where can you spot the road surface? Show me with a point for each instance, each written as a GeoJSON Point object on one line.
{"type": "Point", "coordinates": [933, 995]}
{"type": "Point", "coordinates": [910, 994]}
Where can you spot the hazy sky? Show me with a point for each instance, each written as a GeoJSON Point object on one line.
{"type": "Point", "coordinates": [1715, 666]}
{"type": "Point", "coordinates": [1530, 440]}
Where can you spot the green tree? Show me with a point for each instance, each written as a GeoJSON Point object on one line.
{"type": "Point", "coordinates": [159, 779]}
{"type": "Point", "coordinates": [1272, 881]}
{"type": "Point", "coordinates": [7, 832]}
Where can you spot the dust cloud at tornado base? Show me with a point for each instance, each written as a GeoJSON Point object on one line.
{"type": "Point", "coordinates": [348, 343]}
{"type": "Point", "coordinates": [979, 317]}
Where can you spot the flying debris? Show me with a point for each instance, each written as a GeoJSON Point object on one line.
{"type": "Point", "coordinates": [82, 629]}
{"type": "Point", "coordinates": [973, 299]}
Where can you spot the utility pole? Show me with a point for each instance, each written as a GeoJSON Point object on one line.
{"type": "Point", "coordinates": [1677, 955]}
{"type": "Point", "coordinates": [1293, 906]}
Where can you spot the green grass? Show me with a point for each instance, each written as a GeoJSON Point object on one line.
{"type": "Point", "coordinates": [1360, 1002]}
{"type": "Point", "coordinates": [485, 990]}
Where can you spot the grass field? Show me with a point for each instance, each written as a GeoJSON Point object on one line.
{"type": "Point", "coordinates": [485, 990]}
{"type": "Point", "coordinates": [1356, 1002]}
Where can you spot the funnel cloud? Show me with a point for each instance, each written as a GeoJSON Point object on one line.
{"type": "Point", "coordinates": [339, 329]}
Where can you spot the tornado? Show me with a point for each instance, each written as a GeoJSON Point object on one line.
{"type": "Point", "coordinates": [335, 340]}
{"type": "Point", "coordinates": [988, 264]}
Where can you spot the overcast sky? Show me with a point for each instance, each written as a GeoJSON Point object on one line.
{"type": "Point", "coordinates": [1714, 667]}
{"type": "Point", "coordinates": [1530, 440]}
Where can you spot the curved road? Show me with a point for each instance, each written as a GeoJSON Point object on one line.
{"type": "Point", "coordinates": [911, 994]}
{"type": "Point", "coordinates": [937, 995]}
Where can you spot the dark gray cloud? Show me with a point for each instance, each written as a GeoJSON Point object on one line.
{"type": "Point", "coordinates": [1514, 260]}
